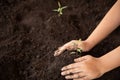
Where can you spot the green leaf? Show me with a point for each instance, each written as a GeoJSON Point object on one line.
{"type": "Point", "coordinates": [64, 7]}
{"type": "Point", "coordinates": [80, 39]}
{"type": "Point", "coordinates": [72, 52]}
{"type": "Point", "coordinates": [59, 4]}
{"type": "Point", "coordinates": [60, 9]}
{"type": "Point", "coordinates": [55, 10]}
{"type": "Point", "coordinates": [60, 13]}
{"type": "Point", "coordinates": [79, 50]}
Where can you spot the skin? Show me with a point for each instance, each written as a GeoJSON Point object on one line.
{"type": "Point", "coordinates": [88, 67]}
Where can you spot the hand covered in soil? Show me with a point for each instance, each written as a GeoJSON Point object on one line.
{"type": "Point", "coordinates": [84, 68]}
{"type": "Point", "coordinates": [72, 45]}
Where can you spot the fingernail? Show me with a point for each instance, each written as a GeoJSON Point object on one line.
{"type": "Point", "coordinates": [74, 59]}
{"type": "Point", "coordinates": [55, 54]}
{"type": "Point", "coordinates": [62, 73]}
{"type": "Point", "coordinates": [66, 77]}
{"type": "Point", "coordinates": [63, 69]}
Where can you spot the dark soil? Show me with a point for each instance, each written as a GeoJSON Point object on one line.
{"type": "Point", "coordinates": [30, 32]}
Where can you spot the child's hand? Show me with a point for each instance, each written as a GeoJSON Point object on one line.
{"type": "Point", "coordinates": [72, 45]}
{"type": "Point", "coordinates": [84, 68]}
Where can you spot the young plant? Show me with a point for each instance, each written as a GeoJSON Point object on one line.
{"type": "Point", "coordinates": [78, 50]}
{"type": "Point", "coordinates": [60, 9]}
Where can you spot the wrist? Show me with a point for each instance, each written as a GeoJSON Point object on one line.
{"type": "Point", "coordinates": [110, 60]}
{"type": "Point", "coordinates": [104, 66]}
{"type": "Point", "coordinates": [90, 43]}
{"type": "Point", "coordinates": [86, 45]}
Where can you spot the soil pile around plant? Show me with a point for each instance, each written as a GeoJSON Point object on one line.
{"type": "Point", "coordinates": [30, 32]}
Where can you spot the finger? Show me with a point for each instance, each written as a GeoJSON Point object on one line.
{"type": "Point", "coordinates": [70, 66]}
{"type": "Point", "coordinates": [72, 45]}
{"type": "Point", "coordinates": [69, 46]}
{"type": "Point", "coordinates": [75, 76]}
{"type": "Point", "coordinates": [82, 58]}
{"type": "Point", "coordinates": [71, 71]}
{"type": "Point", "coordinates": [60, 50]}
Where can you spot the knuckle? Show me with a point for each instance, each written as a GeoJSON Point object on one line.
{"type": "Point", "coordinates": [75, 75]}
{"type": "Point", "coordinates": [66, 45]}
{"type": "Point", "coordinates": [67, 72]}
{"type": "Point", "coordinates": [89, 56]}
{"type": "Point", "coordinates": [73, 40]}
{"type": "Point", "coordinates": [84, 63]}
{"type": "Point", "coordinates": [76, 69]}
{"type": "Point", "coordinates": [70, 66]}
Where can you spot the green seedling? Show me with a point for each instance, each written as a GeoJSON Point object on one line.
{"type": "Point", "coordinates": [78, 50]}
{"type": "Point", "coordinates": [60, 9]}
